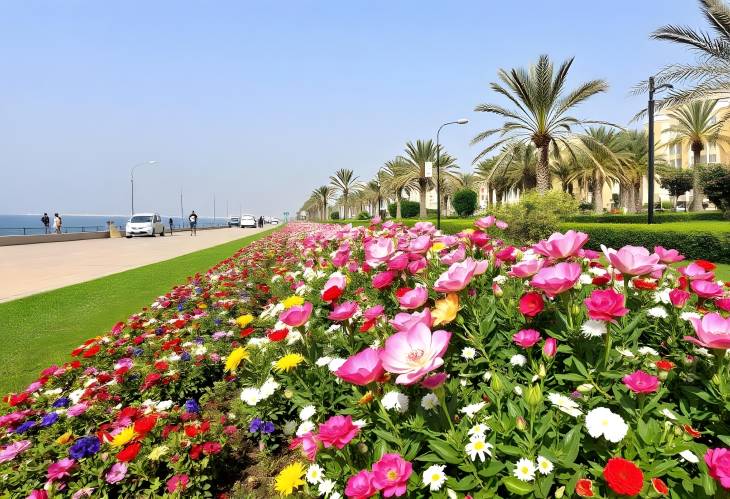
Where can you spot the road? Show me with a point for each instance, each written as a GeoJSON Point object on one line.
{"type": "Point", "coordinates": [33, 268]}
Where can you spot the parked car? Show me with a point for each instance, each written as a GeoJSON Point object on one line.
{"type": "Point", "coordinates": [145, 224]}
{"type": "Point", "coordinates": [248, 221]}
{"type": "Point", "coordinates": [234, 221]}
{"type": "Point", "coordinates": [274, 221]}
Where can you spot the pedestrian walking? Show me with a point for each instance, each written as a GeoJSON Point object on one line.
{"type": "Point", "coordinates": [261, 221]}
{"type": "Point", "coordinates": [193, 224]}
{"type": "Point", "coordinates": [170, 222]}
{"type": "Point", "coordinates": [46, 222]}
{"type": "Point", "coordinates": [57, 223]}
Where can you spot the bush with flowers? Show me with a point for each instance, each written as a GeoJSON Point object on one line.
{"type": "Point", "coordinates": [398, 362]}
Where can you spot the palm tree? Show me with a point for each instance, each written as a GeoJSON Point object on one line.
{"type": "Point", "coordinates": [635, 147]}
{"type": "Point", "coordinates": [603, 163]}
{"type": "Point", "coordinates": [397, 181]}
{"type": "Point", "coordinates": [467, 181]}
{"type": "Point", "coordinates": [374, 192]}
{"type": "Point", "coordinates": [695, 126]}
{"type": "Point", "coordinates": [516, 164]}
{"type": "Point", "coordinates": [345, 182]}
{"type": "Point", "coordinates": [541, 111]}
{"type": "Point", "coordinates": [416, 157]}
{"type": "Point", "coordinates": [710, 75]}
{"type": "Point", "coordinates": [323, 194]}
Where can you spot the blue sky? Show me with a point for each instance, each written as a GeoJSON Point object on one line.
{"type": "Point", "coordinates": [259, 102]}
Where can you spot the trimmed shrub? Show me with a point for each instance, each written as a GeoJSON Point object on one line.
{"type": "Point", "coordinates": [465, 202]}
{"type": "Point", "coordinates": [536, 216]}
{"type": "Point", "coordinates": [640, 218]}
{"type": "Point", "coordinates": [702, 242]}
{"type": "Point", "coordinates": [716, 180]}
{"type": "Point", "coordinates": [408, 209]}
{"type": "Point", "coordinates": [363, 215]}
{"type": "Point", "coordinates": [334, 215]}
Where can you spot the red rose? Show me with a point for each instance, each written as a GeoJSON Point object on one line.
{"type": "Point", "coordinates": [169, 429]}
{"type": "Point", "coordinates": [92, 351]}
{"type": "Point", "coordinates": [129, 452]}
{"type": "Point", "coordinates": [246, 332]}
{"type": "Point", "coordinates": [531, 304]}
{"type": "Point", "coordinates": [659, 486]}
{"type": "Point", "coordinates": [623, 476]}
{"type": "Point", "coordinates": [584, 487]}
{"type": "Point", "coordinates": [601, 279]}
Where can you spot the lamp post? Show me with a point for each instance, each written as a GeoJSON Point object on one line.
{"type": "Point", "coordinates": [650, 170]}
{"type": "Point", "coordinates": [131, 178]}
{"type": "Point", "coordinates": [462, 121]}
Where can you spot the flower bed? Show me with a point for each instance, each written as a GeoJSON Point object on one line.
{"type": "Point", "coordinates": [396, 361]}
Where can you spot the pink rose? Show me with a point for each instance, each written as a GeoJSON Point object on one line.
{"type": "Point", "coordinates": [458, 276]}
{"type": "Point", "coordinates": [550, 347]}
{"type": "Point", "coordinates": [606, 305]}
{"type": "Point", "coordinates": [526, 338]}
{"type": "Point", "coordinates": [678, 297]}
{"type": "Point", "coordinates": [713, 331]}
{"type": "Point", "coordinates": [706, 289]}
{"type": "Point", "coordinates": [485, 222]}
{"type": "Point", "coordinates": [559, 246]}
{"type": "Point", "coordinates": [117, 473]}
{"type": "Point", "coordinates": [414, 353]}
{"type": "Point", "coordinates": [668, 255]}
{"type": "Point", "coordinates": [412, 298]}
{"type": "Point", "coordinates": [337, 431]}
{"type": "Point", "coordinates": [391, 473]}
{"type": "Point", "coordinates": [421, 244]}
{"type": "Point", "coordinates": [557, 279]}
{"type": "Point", "coordinates": [696, 272]}
{"type": "Point", "coordinates": [362, 368]}
{"type": "Point", "coordinates": [343, 311]}
{"type": "Point", "coordinates": [398, 262]}
{"type": "Point", "coordinates": [177, 482]}
{"type": "Point", "coordinates": [378, 250]}
{"type": "Point", "coordinates": [373, 313]}
{"type": "Point", "coordinates": [525, 268]}
{"type": "Point", "coordinates": [633, 260]}
{"type": "Point", "coordinates": [433, 381]}
{"type": "Point", "coordinates": [641, 382]}
{"type": "Point", "coordinates": [384, 279]}
{"type": "Point", "coordinates": [309, 444]}
{"type": "Point", "coordinates": [718, 464]}
{"type": "Point", "coordinates": [360, 486]}
{"type": "Point", "coordinates": [404, 321]}
{"type": "Point", "coordinates": [723, 304]}
{"type": "Point", "coordinates": [454, 256]}
{"type": "Point", "coordinates": [415, 266]}
{"type": "Point", "coordinates": [296, 315]}
{"type": "Point", "coordinates": [59, 469]}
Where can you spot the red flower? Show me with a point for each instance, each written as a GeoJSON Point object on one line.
{"type": "Point", "coordinates": [641, 284]}
{"type": "Point", "coordinates": [144, 425]}
{"type": "Point", "coordinates": [278, 335]}
{"type": "Point", "coordinates": [211, 448]}
{"type": "Point", "coordinates": [601, 279]}
{"type": "Point", "coordinates": [691, 431]}
{"type": "Point", "coordinates": [161, 365]}
{"type": "Point", "coordinates": [664, 365]}
{"type": "Point", "coordinates": [195, 452]}
{"type": "Point", "coordinates": [584, 487]}
{"type": "Point", "coordinates": [246, 332]}
{"type": "Point", "coordinates": [707, 266]}
{"type": "Point", "coordinates": [623, 476]}
{"type": "Point", "coordinates": [659, 486]}
{"type": "Point", "coordinates": [169, 429]}
{"type": "Point", "coordinates": [531, 304]}
{"type": "Point", "coordinates": [191, 431]}
{"type": "Point", "coordinates": [92, 351]}
{"type": "Point", "coordinates": [129, 452]}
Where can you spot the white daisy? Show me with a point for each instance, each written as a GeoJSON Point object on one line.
{"type": "Point", "coordinates": [304, 428]}
{"type": "Point", "coordinates": [395, 400]}
{"type": "Point", "coordinates": [565, 404]}
{"type": "Point", "coordinates": [625, 352]}
{"type": "Point", "coordinates": [268, 388]}
{"type": "Point", "coordinates": [593, 328]}
{"type": "Point", "coordinates": [648, 351]}
{"type": "Point", "coordinates": [434, 477]}
{"type": "Point", "coordinates": [477, 448]}
{"type": "Point", "coordinates": [307, 412]}
{"type": "Point", "coordinates": [525, 470]}
{"type": "Point", "coordinates": [662, 296]}
{"type": "Point", "coordinates": [468, 353]}
{"type": "Point", "coordinates": [323, 361]}
{"type": "Point", "coordinates": [544, 465]}
{"type": "Point", "coordinates": [429, 402]}
{"type": "Point", "coordinates": [472, 409]}
{"type": "Point", "coordinates": [686, 316]}
{"type": "Point", "coordinates": [326, 486]}
{"type": "Point", "coordinates": [602, 422]}
{"type": "Point", "coordinates": [657, 312]}
{"type": "Point", "coordinates": [251, 395]}
{"type": "Point", "coordinates": [335, 364]}
{"type": "Point", "coordinates": [478, 429]}
{"type": "Point", "coordinates": [315, 473]}
{"type": "Point", "coordinates": [518, 360]}
{"type": "Point", "coordinates": [586, 279]}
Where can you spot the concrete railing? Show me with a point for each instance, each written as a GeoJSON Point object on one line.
{"type": "Point", "coordinates": [51, 238]}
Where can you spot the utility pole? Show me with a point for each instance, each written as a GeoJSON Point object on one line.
{"type": "Point", "coordinates": [213, 208]}
{"type": "Point", "coordinates": [182, 215]}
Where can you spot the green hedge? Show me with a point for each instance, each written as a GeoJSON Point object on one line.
{"type": "Point", "coordinates": [640, 218]}
{"type": "Point", "coordinates": [709, 241]}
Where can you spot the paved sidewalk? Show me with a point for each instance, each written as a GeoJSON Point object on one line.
{"type": "Point", "coordinates": [33, 268]}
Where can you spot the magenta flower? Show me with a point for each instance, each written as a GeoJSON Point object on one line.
{"type": "Point", "coordinates": [433, 381]}
{"type": "Point", "coordinates": [421, 244]}
{"type": "Point", "coordinates": [384, 279]}
{"type": "Point", "coordinates": [116, 473]}
{"type": "Point", "coordinates": [414, 353]}
{"type": "Point", "coordinates": [334, 287]}
{"type": "Point", "coordinates": [417, 265]}
{"type": "Point", "coordinates": [526, 268]}
{"type": "Point", "coordinates": [390, 475]}
{"type": "Point", "coordinates": [550, 347]}
{"type": "Point", "coordinates": [378, 250]}
{"type": "Point", "coordinates": [526, 338]}
{"type": "Point", "coordinates": [360, 486]}
{"type": "Point", "coordinates": [37, 494]}
{"type": "Point", "coordinates": [404, 321]}
{"type": "Point", "coordinates": [454, 256]}
{"type": "Point", "coordinates": [412, 298]}
{"type": "Point", "coordinates": [309, 444]}
{"type": "Point", "coordinates": [713, 331]}
{"type": "Point", "coordinates": [718, 464]}
{"type": "Point", "coordinates": [59, 469]}
{"type": "Point", "coordinates": [679, 297]}
{"type": "Point", "coordinates": [362, 368]}
{"type": "Point", "coordinates": [485, 222]}
{"type": "Point", "coordinates": [696, 272]}
{"type": "Point", "coordinates": [723, 304]}
{"type": "Point", "coordinates": [296, 315]}
{"type": "Point", "coordinates": [458, 275]}
{"type": "Point", "coordinates": [559, 245]}
{"type": "Point", "coordinates": [398, 262]}
{"type": "Point", "coordinates": [641, 382]}
{"type": "Point", "coordinates": [557, 279]}
{"type": "Point", "coordinates": [706, 289]}
{"type": "Point", "coordinates": [373, 313]}
{"type": "Point", "coordinates": [177, 482]}
{"type": "Point", "coordinates": [10, 452]}
{"type": "Point", "coordinates": [343, 311]}
{"type": "Point", "coordinates": [337, 431]}
{"type": "Point", "coordinates": [668, 255]}
{"type": "Point", "coordinates": [606, 305]}
{"type": "Point", "coordinates": [633, 260]}
{"type": "Point", "coordinates": [78, 409]}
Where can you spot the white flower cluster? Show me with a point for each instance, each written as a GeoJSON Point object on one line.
{"type": "Point", "coordinates": [395, 400]}
{"type": "Point", "coordinates": [252, 395]}
{"type": "Point", "coordinates": [603, 422]}
{"type": "Point", "coordinates": [478, 445]}
{"type": "Point", "coordinates": [525, 469]}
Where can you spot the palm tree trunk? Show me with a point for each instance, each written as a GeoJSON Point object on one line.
{"type": "Point", "coordinates": [422, 187]}
{"type": "Point", "coordinates": [697, 194]}
{"type": "Point", "coordinates": [543, 170]}
{"type": "Point", "coordinates": [598, 192]}
{"type": "Point", "coordinates": [397, 205]}
{"type": "Point", "coordinates": [638, 195]}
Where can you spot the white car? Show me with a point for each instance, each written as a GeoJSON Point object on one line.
{"type": "Point", "coordinates": [248, 221]}
{"type": "Point", "coordinates": [274, 221]}
{"type": "Point", "coordinates": [145, 224]}
{"type": "Point", "coordinates": [234, 222]}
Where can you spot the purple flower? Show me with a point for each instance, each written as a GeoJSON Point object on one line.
{"type": "Point", "coordinates": [84, 447]}
{"type": "Point", "coordinates": [185, 356]}
{"type": "Point", "coordinates": [255, 425]}
{"type": "Point", "coordinates": [117, 473]}
{"type": "Point", "coordinates": [268, 427]}
{"type": "Point", "coordinates": [191, 406]}
{"type": "Point", "coordinates": [62, 402]}
{"type": "Point", "coordinates": [25, 427]}
{"type": "Point", "coordinates": [49, 419]}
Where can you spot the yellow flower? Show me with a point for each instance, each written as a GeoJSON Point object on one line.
{"type": "Point", "coordinates": [445, 310]}
{"type": "Point", "coordinates": [65, 438]}
{"type": "Point", "coordinates": [289, 479]}
{"type": "Point", "coordinates": [292, 301]}
{"type": "Point", "coordinates": [235, 358]}
{"type": "Point", "coordinates": [158, 452]}
{"type": "Point", "coordinates": [468, 231]}
{"type": "Point", "coordinates": [202, 306]}
{"type": "Point", "coordinates": [288, 362]}
{"type": "Point", "coordinates": [123, 436]}
{"type": "Point", "coordinates": [437, 246]}
{"type": "Point", "coordinates": [244, 320]}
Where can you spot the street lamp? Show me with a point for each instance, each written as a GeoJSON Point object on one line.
{"type": "Point", "coordinates": [131, 177]}
{"type": "Point", "coordinates": [650, 172]}
{"type": "Point", "coordinates": [462, 121]}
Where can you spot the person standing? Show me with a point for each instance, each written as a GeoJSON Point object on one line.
{"type": "Point", "coordinates": [170, 222]}
{"type": "Point", "coordinates": [57, 223]}
{"type": "Point", "coordinates": [193, 224]}
{"type": "Point", "coordinates": [261, 221]}
{"type": "Point", "coordinates": [46, 222]}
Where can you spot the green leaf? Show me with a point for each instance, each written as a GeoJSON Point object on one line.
{"type": "Point", "coordinates": [444, 450]}
{"type": "Point", "coordinates": [516, 486]}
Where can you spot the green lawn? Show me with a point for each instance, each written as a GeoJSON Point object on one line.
{"type": "Point", "coordinates": [42, 329]}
